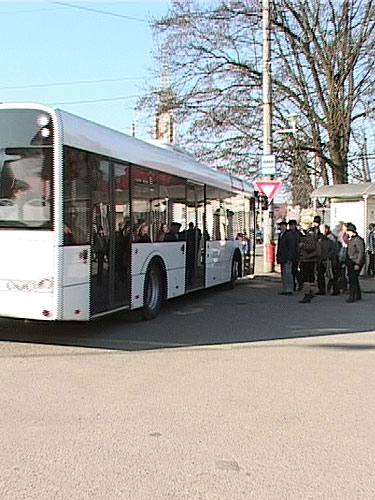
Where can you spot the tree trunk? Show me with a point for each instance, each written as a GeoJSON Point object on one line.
{"type": "Point", "coordinates": [339, 167]}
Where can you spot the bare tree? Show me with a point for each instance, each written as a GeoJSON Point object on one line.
{"type": "Point", "coordinates": [323, 53]}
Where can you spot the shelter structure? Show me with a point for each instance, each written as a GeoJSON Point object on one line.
{"type": "Point", "coordinates": [349, 203]}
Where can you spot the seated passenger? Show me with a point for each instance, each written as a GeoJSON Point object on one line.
{"type": "Point", "coordinates": [173, 234]}
{"type": "Point", "coordinates": [164, 229]}
{"type": "Point", "coordinates": [19, 188]}
{"type": "Point", "coordinates": [143, 234]}
{"type": "Point", "coordinates": [68, 236]}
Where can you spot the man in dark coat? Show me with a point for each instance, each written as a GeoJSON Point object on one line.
{"type": "Point", "coordinates": [355, 258]}
{"type": "Point", "coordinates": [295, 236]}
{"type": "Point", "coordinates": [285, 255]}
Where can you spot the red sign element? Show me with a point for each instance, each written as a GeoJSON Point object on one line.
{"type": "Point", "coordinates": [268, 188]}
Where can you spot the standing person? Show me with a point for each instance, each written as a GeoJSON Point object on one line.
{"type": "Point", "coordinates": [101, 250]}
{"type": "Point", "coordinates": [316, 226]}
{"type": "Point", "coordinates": [284, 256]}
{"type": "Point", "coordinates": [371, 250]}
{"type": "Point", "coordinates": [333, 280]}
{"type": "Point", "coordinates": [122, 250]}
{"type": "Point", "coordinates": [355, 259]}
{"type": "Point", "coordinates": [317, 220]}
{"type": "Point", "coordinates": [326, 259]}
{"type": "Point", "coordinates": [191, 246]}
{"type": "Point", "coordinates": [119, 251]}
{"type": "Point", "coordinates": [127, 240]}
{"type": "Point", "coordinates": [193, 237]}
{"type": "Point", "coordinates": [295, 236]}
{"type": "Point", "coordinates": [309, 254]}
{"type": "Point", "coordinates": [343, 239]}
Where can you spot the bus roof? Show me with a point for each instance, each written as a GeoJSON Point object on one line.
{"type": "Point", "coordinates": [84, 134]}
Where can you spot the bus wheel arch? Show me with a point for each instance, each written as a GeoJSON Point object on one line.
{"type": "Point", "coordinates": [155, 288]}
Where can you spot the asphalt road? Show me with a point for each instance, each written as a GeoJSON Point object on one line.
{"type": "Point", "coordinates": [201, 403]}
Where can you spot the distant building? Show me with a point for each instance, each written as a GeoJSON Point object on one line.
{"type": "Point", "coordinates": [165, 125]}
{"type": "Point", "coordinates": [165, 129]}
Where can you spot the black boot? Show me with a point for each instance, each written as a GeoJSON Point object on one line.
{"type": "Point", "coordinates": [306, 299]}
{"type": "Point", "coordinates": [351, 298]}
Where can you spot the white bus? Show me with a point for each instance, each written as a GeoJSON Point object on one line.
{"type": "Point", "coordinates": [81, 207]}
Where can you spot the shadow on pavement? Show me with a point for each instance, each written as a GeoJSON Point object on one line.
{"type": "Point", "coordinates": [344, 347]}
{"type": "Point", "coordinates": [253, 311]}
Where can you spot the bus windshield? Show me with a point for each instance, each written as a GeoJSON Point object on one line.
{"type": "Point", "coordinates": [25, 169]}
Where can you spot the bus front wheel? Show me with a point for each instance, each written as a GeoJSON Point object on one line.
{"type": "Point", "coordinates": [235, 272]}
{"type": "Point", "coordinates": [153, 292]}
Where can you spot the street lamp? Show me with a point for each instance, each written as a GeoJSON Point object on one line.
{"type": "Point", "coordinates": [293, 119]}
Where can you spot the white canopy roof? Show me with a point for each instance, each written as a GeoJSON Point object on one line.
{"type": "Point", "coordinates": [345, 191]}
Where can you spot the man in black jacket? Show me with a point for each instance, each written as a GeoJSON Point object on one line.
{"type": "Point", "coordinates": [295, 236]}
{"type": "Point", "coordinates": [355, 258]}
{"type": "Point", "coordinates": [285, 257]}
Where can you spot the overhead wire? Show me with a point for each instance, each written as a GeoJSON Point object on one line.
{"type": "Point", "coordinates": [98, 11]}
{"type": "Point", "coordinates": [121, 98]}
{"type": "Point", "coordinates": [72, 82]}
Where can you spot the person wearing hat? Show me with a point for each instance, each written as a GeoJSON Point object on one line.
{"type": "Point", "coordinates": [173, 234]}
{"type": "Point", "coordinates": [317, 221]}
{"type": "Point", "coordinates": [355, 259]}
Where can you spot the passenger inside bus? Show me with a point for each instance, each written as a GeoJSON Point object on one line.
{"type": "Point", "coordinates": [174, 233]}
{"type": "Point", "coordinates": [144, 233]}
{"type": "Point", "coordinates": [193, 239]}
{"type": "Point", "coordinates": [101, 247]}
{"type": "Point", "coordinates": [122, 250]}
{"type": "Point", "coordinates": [68, 236]}
{"type": "Point", "coordinates": [164, 229]}
{"type": "Point", "coordinates": [19, 188]}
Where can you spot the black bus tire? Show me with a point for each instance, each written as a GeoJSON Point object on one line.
{"type": "Point", "coordinates": [153, 292]}
{"type": "Point", "coordinates": [235, 272]}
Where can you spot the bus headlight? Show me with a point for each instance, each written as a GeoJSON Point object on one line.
{"type": "Point", "coordinates": [43, 120]}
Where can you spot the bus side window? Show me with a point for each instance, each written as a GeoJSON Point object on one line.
{"type": "Point", "coordinates": [157, 198]}
{"type": "Point", "coordinates": [76, 197]}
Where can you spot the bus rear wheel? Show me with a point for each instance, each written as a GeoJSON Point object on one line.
{"type": "Point", "coordinates": [153, 292]}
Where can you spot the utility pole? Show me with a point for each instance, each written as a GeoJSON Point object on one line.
{"type": "Point", "coordinates": [268, 241]}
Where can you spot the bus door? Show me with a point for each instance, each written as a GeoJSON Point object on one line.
{"type": "Point", "coordinates": [195, 244]}
{"type": "Point", "coordinates": [110, 279]}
